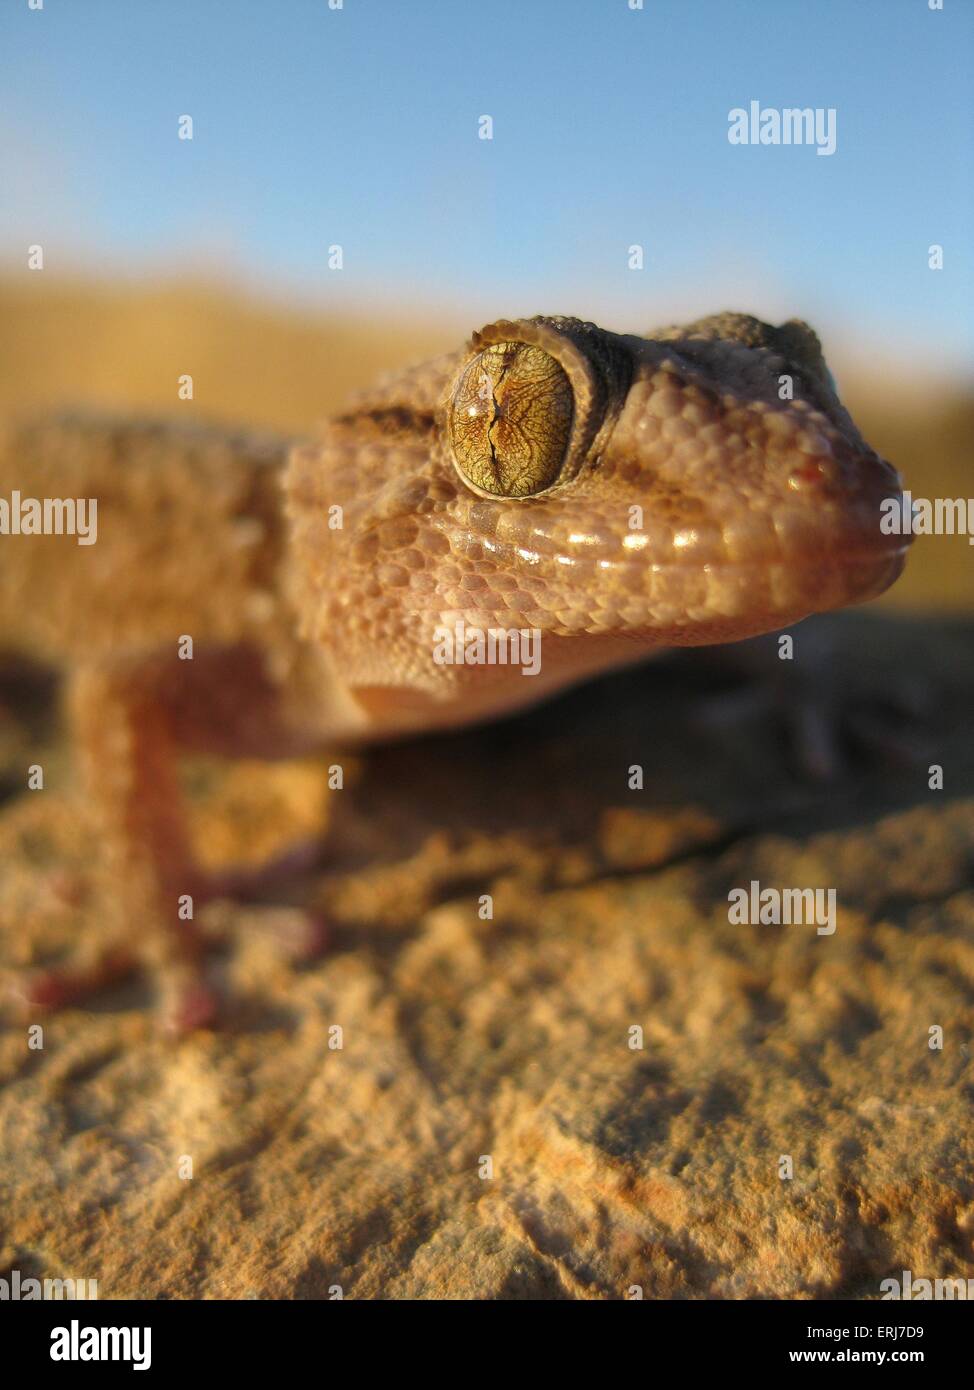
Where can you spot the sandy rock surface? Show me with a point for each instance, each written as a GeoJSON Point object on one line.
{"type": "Point", "coordinates": [364, 1166]}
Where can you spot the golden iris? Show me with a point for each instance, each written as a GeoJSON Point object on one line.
{"type": "Point", "coordinates": [511, 420]}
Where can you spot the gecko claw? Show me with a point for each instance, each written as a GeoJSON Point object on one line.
{"type": "Point", "coordinates": [56, 987]}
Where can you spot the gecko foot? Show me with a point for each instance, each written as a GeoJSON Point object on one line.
{"type": "Point", "coordinates": [57, 987]}
{"type": "Point", "coordinates": [190, 1002]}
{"type": "Point", "coordinates": [177, 960]}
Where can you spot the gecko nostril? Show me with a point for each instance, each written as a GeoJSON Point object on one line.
{"type": "Point", "coordinates": [813, 473]}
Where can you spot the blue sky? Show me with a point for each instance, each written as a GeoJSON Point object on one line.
{"type": "Point", "coordinates": [359, 126]}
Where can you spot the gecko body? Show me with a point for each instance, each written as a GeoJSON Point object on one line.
{"type": "Point", "coordinates": [611, 494]}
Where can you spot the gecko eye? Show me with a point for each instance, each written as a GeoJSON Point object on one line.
{"type": "Point", "coordinates": [511, 420]}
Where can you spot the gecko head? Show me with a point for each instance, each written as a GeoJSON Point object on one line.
{"type": "Point", "coordinates": [614, 494]}
{"type": "Point", "coordinates": [700, 485]}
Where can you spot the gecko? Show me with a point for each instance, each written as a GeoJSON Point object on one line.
{"type": "Point", "coordinates": [611, 495]}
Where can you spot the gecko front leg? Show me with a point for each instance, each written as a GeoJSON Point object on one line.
{"type": "Point", "coordinates": [189, 544]}
{"type": "Point", "coordinates": [132, 721]}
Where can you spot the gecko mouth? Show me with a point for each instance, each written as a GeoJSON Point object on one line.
{"type": "Point", "coordinates": [745, 557]}
{"type": "Point", "coordinates": [811, 522]}
{"type": "Point", "coordinates": [679, 551]}
{"type": "Point", "coordinates": [679, 597]}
